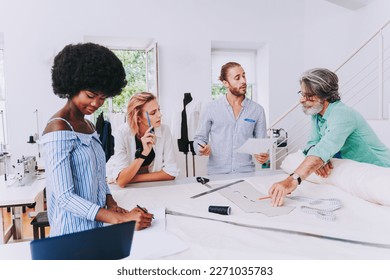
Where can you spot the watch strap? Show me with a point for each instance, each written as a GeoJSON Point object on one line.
{"type": "Point", "coordinates": [296, 177]}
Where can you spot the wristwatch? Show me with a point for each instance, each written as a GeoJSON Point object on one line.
{"type": "Point", "coordinates": [138, 154]}
{"type": "Point", "coordinates": [296, 177]}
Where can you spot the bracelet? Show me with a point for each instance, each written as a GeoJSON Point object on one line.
{"type": "Point", "coordinates": [138, 154]}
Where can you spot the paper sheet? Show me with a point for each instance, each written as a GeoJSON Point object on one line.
{"type": "Point", "coordinates": [245, 196]}
{"type": "Point", "coordinates": [158, 223]}
{"type": "Point", "coordinates": [155, 242]}
{"type": "Point", "coordinates": [256, 146]}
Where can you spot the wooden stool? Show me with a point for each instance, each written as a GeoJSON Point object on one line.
{"type": "Point", "coordinates": [40, 221]}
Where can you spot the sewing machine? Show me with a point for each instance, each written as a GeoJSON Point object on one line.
{"type": "Point", "coordinates": [25, 170]}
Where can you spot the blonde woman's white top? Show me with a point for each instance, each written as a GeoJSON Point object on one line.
{"type": "Point", "coordinates": [125, 149]}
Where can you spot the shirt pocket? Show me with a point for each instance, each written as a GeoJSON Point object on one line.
{"type": "Point", "coordinates": [247, 126]}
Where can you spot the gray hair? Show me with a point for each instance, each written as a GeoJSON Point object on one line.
{"type": "Point", "coordinates": [322, 82]}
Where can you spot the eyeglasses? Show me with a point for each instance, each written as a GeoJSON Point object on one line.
{"type": "Point", "coordinates": [308, 97]}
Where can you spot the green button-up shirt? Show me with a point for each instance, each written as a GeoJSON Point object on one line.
{"type": "Point", "coordinates": [344, 131]}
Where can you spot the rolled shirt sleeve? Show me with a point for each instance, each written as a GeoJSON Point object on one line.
{"type": "Point", "coordinates": [336, 132]}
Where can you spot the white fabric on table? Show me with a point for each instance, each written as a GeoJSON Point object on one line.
{"type": "Point", "coordinates": [357, 220]}
{"type": "Point", "coordinates": [366, 181]}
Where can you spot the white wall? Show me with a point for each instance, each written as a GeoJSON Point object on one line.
{"type": "Point", "coordinates": [333, 33]}
{"type": "Point", "coordinates": [297, 34]}
{"type": "Point", "coordinates": [183, 29]}
{"type": "Point", "coordinates": [2, 9]}
{"type": "Point", "coordinates": [330, 40]}
{"type": "Point", "coordinates": [381, 128]}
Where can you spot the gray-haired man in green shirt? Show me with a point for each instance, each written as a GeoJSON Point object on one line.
{"type": "Point", "coordinates": [337, 131]}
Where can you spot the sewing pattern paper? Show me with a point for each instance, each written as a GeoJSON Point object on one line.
{"type": "Point", "coordinates": [245, 196]}
{"type": "Point", "coordinates": [256, 146]}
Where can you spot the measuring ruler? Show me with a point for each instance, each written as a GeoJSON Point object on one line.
{"type": "Point", "coordinates": [217, 189]}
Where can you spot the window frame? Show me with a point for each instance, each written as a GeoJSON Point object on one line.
{"type": "Point", "coordinates": [3, 117]}
{"type": "Point", "coordinates": [148, 45]}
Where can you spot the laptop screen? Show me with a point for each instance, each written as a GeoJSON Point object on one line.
{"type": "Point", "coordinates": [106, 243]}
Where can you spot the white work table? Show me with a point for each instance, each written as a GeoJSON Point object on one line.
{"type": "Point", "coordinates": [254, 236]}
{"type": "Point", "coordinates": [239, 235]}
{"type": "Point", "coordinates": [14, 196]}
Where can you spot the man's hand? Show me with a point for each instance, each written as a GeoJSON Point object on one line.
{"type": "Point", "coordinates": [325, 170]}
{"type": "Point", "coordinates": [279, 190]}
{"type": "Point", "coordinates": [261, 158]}
{"type": "Point", "coordinates": [205, 151]}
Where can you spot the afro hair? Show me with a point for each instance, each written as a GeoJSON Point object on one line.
{"type": "Point", "coordinates": [87, 66]}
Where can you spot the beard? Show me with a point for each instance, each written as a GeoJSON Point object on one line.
{"type": "Point", "coordinates": [315, 109]}
{"type": "Point", "coordinates": [238, 91]}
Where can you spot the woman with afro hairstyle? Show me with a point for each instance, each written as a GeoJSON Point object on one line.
{"type": "Point", "coordinates": [78, 196]}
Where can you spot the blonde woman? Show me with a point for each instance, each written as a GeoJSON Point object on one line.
{"type": "Point", "coordinates": [144, 149]}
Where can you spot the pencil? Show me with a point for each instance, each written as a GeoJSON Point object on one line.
{"type": "Point", "coordinates": [144, 210]}
{"type": "Point", "coordinates": [201, 145]}
{"type": "Point", "coordinates": [264, 197]}
{"type": "Point", "coordinates": [147, 117]}
{"type": "Point", "coordinates": [149, 124]}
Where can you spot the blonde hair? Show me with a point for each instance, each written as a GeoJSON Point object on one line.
{"type": "Point", "coordinates": [134, 108]}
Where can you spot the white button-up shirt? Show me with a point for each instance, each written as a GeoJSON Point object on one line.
{"type": "Point", "coordinates": [225, 134]}
{"type": "Point", "coordinates": [125, 148]}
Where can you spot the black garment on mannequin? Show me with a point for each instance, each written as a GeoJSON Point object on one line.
{"type": "Point", "coordinates": [183, 141]}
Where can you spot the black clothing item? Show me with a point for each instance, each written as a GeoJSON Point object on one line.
{"type": "Point", "coordinates": [183, 143]}
{"type": "Point", "coordinates": [103, 128]}
{"type": "Point", "coordinates": [150, 157]}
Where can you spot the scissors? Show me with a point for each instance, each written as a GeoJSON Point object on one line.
{"type": "Point", "coordinates": [203, 181]}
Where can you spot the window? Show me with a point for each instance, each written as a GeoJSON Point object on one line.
{"type": "Point", "coordinates": [2, 87]}
{"type": "Point", "coordinates": [134, 62]}
{"type": "Point", "coordinates": [139, 58]}
{"type": "Point", "coordinates": [3, 128]}
{"type": "Point", "coordinates": [247, 59]}
{"type": "Point", "coordinates": [152, 69]}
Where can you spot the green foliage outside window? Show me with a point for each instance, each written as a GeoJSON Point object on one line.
{"type": "Point", "coordinates": [134, 62]}
{"type": "Point", "coordinates": [219, 90]}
